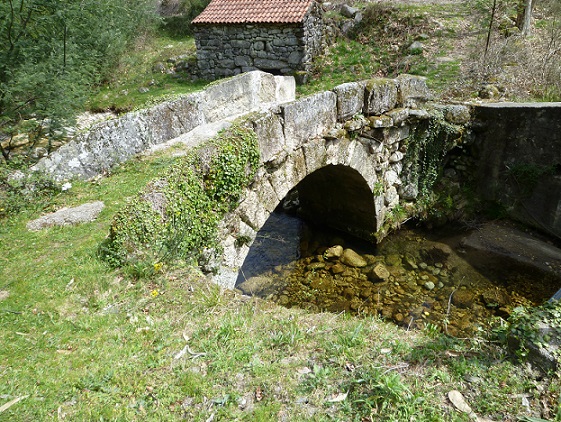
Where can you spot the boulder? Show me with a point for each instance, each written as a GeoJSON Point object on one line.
{"type": "Point", "coordinates": [333, 252]}
{"type": "Point", "coordinates": [416, 47]}
{"type": "Point", "coordinates": [349, 11]}
{"type": "Point", "coordinates": [379, 273]}
{"type": "Point", "coordinates": [68, 216]}
{"type": "Point", "coordinates": [463, 298]}
{"type": "Point", "coordinates": [489, 92]}
{"type": "Point", "coordinates": [495, 298]}
{"type": "Point", "coordinates": [353, 259]}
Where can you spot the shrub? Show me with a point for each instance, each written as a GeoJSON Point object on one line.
{"type": "Point", "coordinates": [177, 215]}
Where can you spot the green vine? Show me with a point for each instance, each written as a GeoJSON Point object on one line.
{"type": "Point", "coordinates": [176, 217]}
{"type": "Point", "coordinates": [428, 145]}
{"type": "Point", "coordinates": [539, 326]}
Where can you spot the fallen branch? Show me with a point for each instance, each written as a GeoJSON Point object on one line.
{"type": "Point", "coordinates": [187, 349]}
{"type": "Point", "coordinates": [6, 406]}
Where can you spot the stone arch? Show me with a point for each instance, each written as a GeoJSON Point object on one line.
{"type": "Point", "coordinates": [347, 164]}
{"type": "Point", "coordinates": [339, 197]}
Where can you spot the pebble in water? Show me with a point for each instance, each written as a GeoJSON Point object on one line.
{"type": "Point", "coordinates": [407, 279]}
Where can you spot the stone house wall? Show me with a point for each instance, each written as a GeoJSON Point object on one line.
{"type": "Point", "coordinates": [227, 50]}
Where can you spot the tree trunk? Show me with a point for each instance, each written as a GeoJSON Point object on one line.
{"type": "Point", "coordinates": [524, 18]}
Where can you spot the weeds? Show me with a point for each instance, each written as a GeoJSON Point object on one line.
{"type": "Point", "coordinates": [81, 341]}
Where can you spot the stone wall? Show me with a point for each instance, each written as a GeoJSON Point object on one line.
{"type": "Point", "coordinates": [345, 154]}
{"type": "Point", "coordinates": [226, 50]}
{"type": "Point", "coordinates": [518, 148]}
{"type": "Point", "coordinates": [114, 141]}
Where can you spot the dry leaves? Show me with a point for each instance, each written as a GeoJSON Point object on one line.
{"type": "Point", "coordinates": [459, 403]}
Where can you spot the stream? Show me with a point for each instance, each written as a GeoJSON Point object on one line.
{"type": "Point", "coordinates": [414, 278]}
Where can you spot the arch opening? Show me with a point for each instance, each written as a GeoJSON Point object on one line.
{"type": "Point", "coordinates": [335, 196]}
{"type": "Point", "coordinates": [339, 197]}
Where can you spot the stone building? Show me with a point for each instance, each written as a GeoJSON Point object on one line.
{"type": "Point", "coordinates": [277, 36]}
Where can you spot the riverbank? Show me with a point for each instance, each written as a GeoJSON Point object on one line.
{"type": "Point", "coordinates": [81, 342]}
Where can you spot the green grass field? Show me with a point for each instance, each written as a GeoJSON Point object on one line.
{"type": "Point", "coordinates": [80, 341]}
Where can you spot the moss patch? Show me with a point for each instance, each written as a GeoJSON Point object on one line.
{"type": "Point", "coordinates": [177, 215]}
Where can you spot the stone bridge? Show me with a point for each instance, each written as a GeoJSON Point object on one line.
{"type": "Point", "coordinates": [343, 153]}
{"type": "Point", "coordinates": [352, 155]}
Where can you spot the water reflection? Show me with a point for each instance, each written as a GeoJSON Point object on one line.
{"type": "Point", "coordinates": [408, 278]}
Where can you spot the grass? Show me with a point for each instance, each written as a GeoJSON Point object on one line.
{"type": "Point", "coordinates": [378, 47]}
{"type": "Point", "coordinates": [142, 76]}
{"type": "Point", "coordinates": [81, 341]}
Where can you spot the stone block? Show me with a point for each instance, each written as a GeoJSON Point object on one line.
{"type": "Point", "coordinates": [243, 61]}
{"type": "Point", "coordinates": [285, 88]}
{"type": "Point", "coordinates": [266, 193]}
{"type": "Point", "coordinates": [455, 113]}
{"type": "Point", "coordinates": [380, 121]}
{"type": "Point", "coordinates": [314, 154]}
{"type": "Point", "coordinates": [380, 96]}
{"type": "Point", "coordinates": [270, 135]}
{"type": "Point", "coordinates": [266, 64]}
{"type": "Point", "coordinates": [309, 117]}
{"type": "Point", "coordinates": [174, 118]}
{"type": "Point", "coordinates": [252, 211]}
{"type": "Point", "coordinates": [396, 134]}
{"type": "Point", "coordinates": [237, 95]}
{"type": "Point", "coordinates": [350, 99]}
{"type": "Point", "coordinates": [340, 152]}
{"type": "Point", "coordinates": [413, 90]}
{"type": "Point", "coordinates": [398, 115]}
{"type": "Point", "coordinates": [295, 57]}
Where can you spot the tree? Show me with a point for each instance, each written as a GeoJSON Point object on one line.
{"type": "Point", "coordinates": [524, 16]}
{"type": "Point", "coordinates": [52, 52]}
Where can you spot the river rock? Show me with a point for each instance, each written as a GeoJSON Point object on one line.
{"type": "Point", "coordinates": [463, 299]}
{"type": "Point", "coordinates": [333, 252]}
{"type": "Point", "coordinates": [393, 260]}
{"type": "Point", "coordinates": [349, 292]}
{"type": "Point", "coordinates": [371, 259]}
{"type": "Point", "coordinates": [257, 286]}
{"type": "Point", "coordinates": [429, 285]}
{"type": "Point", "coordinates": [495, 298]}
{"type": "Point", "coordinates": [366, 293]}
{"type": "Point", "coordinates": [322, 284]}
{"type": "Point", "coordinates": [352, 259]}
{"type": "Point", "coordinates": [314, 266]}
{"type": "Point", "coordinates": [411, 262]}
{"type": "Point", "coordinates": [339, 306]}
{"type": "Point", "coordinates": [379, 273]}
{"type": "Point", "coordinates": [337, 268]}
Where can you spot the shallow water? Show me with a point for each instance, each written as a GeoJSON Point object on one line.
{"type": "Point", "coordinates": [408, 278]}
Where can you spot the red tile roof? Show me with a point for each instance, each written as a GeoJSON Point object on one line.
{"type": "Point", "coordinates": [254, 11]}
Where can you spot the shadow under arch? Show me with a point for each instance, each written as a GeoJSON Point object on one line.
{"type": "Point", "coordinates": [336, 196]}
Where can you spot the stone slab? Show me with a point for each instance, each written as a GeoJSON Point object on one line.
{"type": "Point", "coordinates": [68, 216]}
{"type": "Point", "coordinates": [308, 117]}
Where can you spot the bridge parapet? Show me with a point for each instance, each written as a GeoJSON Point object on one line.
{"type": "Point", "coordinates": [345, 152]}
{"type": "Point", "coordinates": [351, 154]}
